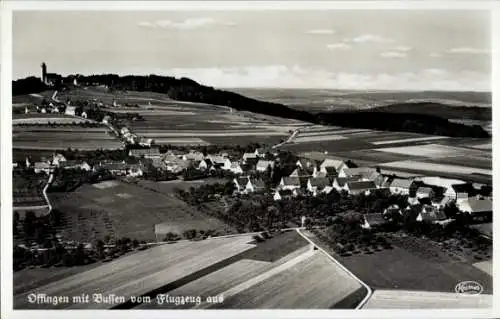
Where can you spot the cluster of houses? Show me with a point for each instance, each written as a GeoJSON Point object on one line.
{"type": "Point", "coordinates": [311, 178]}
{"type": "Point", "coordinates": [128, 136]}
{"type": "Point", "coordinates": [56, 108]}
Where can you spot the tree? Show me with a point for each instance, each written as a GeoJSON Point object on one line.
{"type": "Point", "coordinates": [451, 210]}
{"type": "Point", "coordinates": [29, 224]}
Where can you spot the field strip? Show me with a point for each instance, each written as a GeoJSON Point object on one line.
{"type": "Point", "coordinates": [262, 277]}
{"type": "Point", "coordinates": [406, 299]}
{"type": "Point", "coordinates": [195, 133]}
{"type": "Point", "coordinates": [30, 207]}
{"type": "Point", "coordinates": [306, 139]}
{"type": "Point", "coordinates": [486, 266]}
{"type": "Point", "coordinates": [368, 289]}
{"type": "Point", "coordinates": [416, 139]}
{"type": "Point", "coordinates": [487, 146]}
{"type": "Point", "coordinates": [433, 167]}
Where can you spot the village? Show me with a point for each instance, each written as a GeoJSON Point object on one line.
{"type": "Point", "coordinates": [308, 178]}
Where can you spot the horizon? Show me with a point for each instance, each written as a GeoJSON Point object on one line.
{"type": "Point", "coordinates": [404, 50]}
{"type": "Point", "coordinates": [270, 88]}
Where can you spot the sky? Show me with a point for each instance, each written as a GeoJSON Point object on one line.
{"type": "Point", "coordinates": [328, 49]}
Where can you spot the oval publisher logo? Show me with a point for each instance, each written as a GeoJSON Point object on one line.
{"type": "Point", "coordinates": [469, 288]}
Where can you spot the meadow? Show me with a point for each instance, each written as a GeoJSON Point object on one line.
{"type": "Point", "coordinates": [120, 210]}
{"type": "Point", "coordinates": [42, 137]}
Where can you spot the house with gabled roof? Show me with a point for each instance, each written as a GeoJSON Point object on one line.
{"type": "Point", "coordinates": [204, 164]}
{"type": "Point", "coordinates": [400, 186]}
{"type": "Point", "coordinates": [220, 161]}
{"type": "Point", "coordinates": [304, 163]}
{"type": "Point", "coordinates": [193, 156]}
{"type": "Point", "coordinates": [454, 189]}
{"type": "Point", "coordinates": [255, 186]}
{"type": "Point", "coordinates": [177, 166]}
{"type": "Point", "coordinates": [114, 167]}
{"type": "Point", "coordinates": [153, 152]}
{"type": "Point", "coordinates": [340, 183]}
{"type": "Point", "coordinates": [431, 214]}
{"type": "Point", "coordinates": [247, 156]}
{"type": "Point", "coordinates": [290, 183]}
{"type": "Point", "coordinates": [58, 159]}
{"type": "Point", "coordinates": [298, 172]}
{"type": "Point", "coordinates": [263, 165]}
{"type": "Point", "coordinates": [424, 192]}
{"type": "Point", "coordinates": [240, 183]}
{"type": "Point", "coordinates": [44, 167]}
{"type": "Point", "coordinates": [235, 168]}
{"type": "Point", "coordinates": [338, 165]}
{"type": "Point", "coordinates": [476, 205]}
{"type": "Point", "coordinates": [135, 170]}
{"type": "Point", "coordinates": [355, 188]}
{"type": "Point", "coordinates": [359, 172]}
{"type": "Point", "coordinates": [75, 164]}
{"type": "Point", "coordinates": [319, 184]}
{"type": "Point", "coordinates": [159, 163]}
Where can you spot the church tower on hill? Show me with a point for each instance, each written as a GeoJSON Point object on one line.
{"type": "Point", "coordinates": [44, 73]}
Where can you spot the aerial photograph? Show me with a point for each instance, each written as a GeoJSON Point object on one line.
{"type": "Point", "coordinates": [252, 159]}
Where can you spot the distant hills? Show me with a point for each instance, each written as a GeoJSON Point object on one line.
{"type": "Point", "coordinates": [439, 109]}
{"type": "Point", "coordinates": [185, 89]}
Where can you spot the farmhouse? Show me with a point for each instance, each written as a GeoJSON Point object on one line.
{"type": "Point", "coordinates": [115, 168]}
{"type": "Point", "coordinates": [145, 152]}
{"type": "Point", "coordinates": [220, 162]}
{"type": "Point", "coordinates": [106, 119]}
{"type": "Point", "coordinates": [263, 165]}
{"type": "Point", "coordinates": [340, 183]}
{"type": "Point", "coordinates": [236, 168]}
{"type": "Point", "coordinates": [373, 220]}
{"type": "Point", "coordinates": [430, 214]}
{"type": "Point", "coordinates": [158, 163]}
{"type": "Point", "coordinates": [319, 184]}
{"type": "Point", "coordinates": [135, 171]}
{"type": "Point", "coordinates": [290, 183]}
{"type": "Point", "coordinates": [424, 192]}
{"type": "Point", "coordinates": [70, 110]}
{"type": "Point", "coordinates": [354, 188]}
{"type": "Point", "coordinates": [442, 203]}
{"type": "Point", "coordinates": [75, 165]}
{"type": "Point", "coordinates": [43, 167]}
{"type": "Point", "coordinates": [247, 156]}
{"type": "Point", "coordinates": [298, 172]}
{"type": "Point", "coordinates": [338, 165]}
{"type": "Point", "coordinates": [476, 206]}
{"type": "Point", "coordinates": [456, 189]}
{"type": "Point", "coordinates": [57, 159]}
{"type": "Point", "coordinates": [261, 152]}
{"type": "Point", "coordinates": [362, 173]}
{"type": "Point", "coordinates": [193, 156]}
{"type": "Point", "coordinates": [257, 185]}
{"type": "Point", "coordinates": [304, 163]}
{"type": "Point", "coordinates": [400, 186]}
{"type": "Point", "coordinates": [240, 183]}
{"type": "Point", "coordinates": [204, 164]}
{"type": "Point", "coordinates": [145, 141]}
{"type": "Point", "coordinates": [177, 165]}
